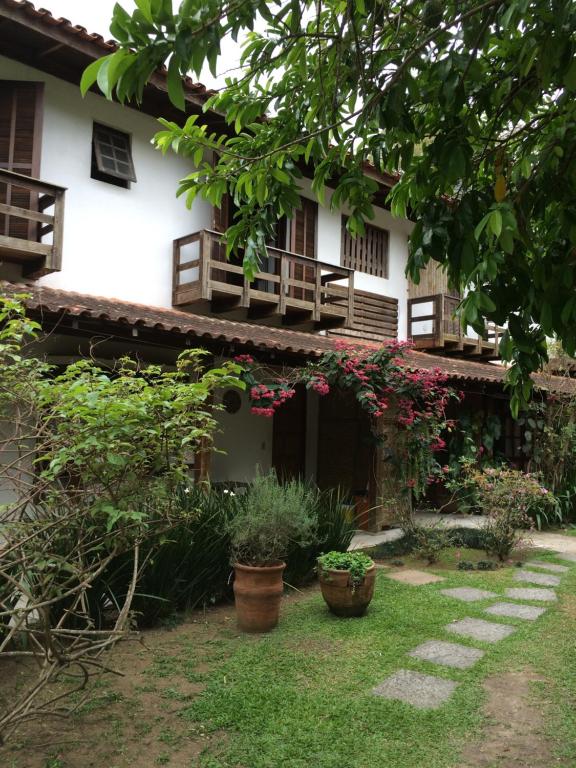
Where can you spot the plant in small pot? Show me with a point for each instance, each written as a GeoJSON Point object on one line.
{"type": "Point", "coordinates": [347, 582]}
{"type": "Point", "coordinates": [271, 518]}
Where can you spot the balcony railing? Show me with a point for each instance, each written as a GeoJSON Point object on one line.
{"type": "Point", "coordinates": [31, 223]}
{"type": "Point", "coordinates": [433, 325]}
{"type": "Point", "coordinates": [289, 289]}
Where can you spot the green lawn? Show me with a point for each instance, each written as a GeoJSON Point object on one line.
{"type": "Point", "coordinates": [301, 696]}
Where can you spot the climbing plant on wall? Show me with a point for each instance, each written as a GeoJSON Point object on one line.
{"type": "Point", "coordinates": [385, 384]}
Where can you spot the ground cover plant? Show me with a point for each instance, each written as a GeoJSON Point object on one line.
{"type": "Point", "coordinates": [203, 695]}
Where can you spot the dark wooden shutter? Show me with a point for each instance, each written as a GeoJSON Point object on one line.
{"type": "Point", "coordinates": [366, 253]}
{"type": "Point", "coordinates": [20, 143]}
{"type": "Point", "coordinates": [302, 240]}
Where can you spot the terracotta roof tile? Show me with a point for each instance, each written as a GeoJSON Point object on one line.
{"type": "Point", "coordinates": [50, 303]}
{"type": "Point", "coordinates": [76, 31]}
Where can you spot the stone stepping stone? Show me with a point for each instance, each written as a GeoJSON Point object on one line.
{"type": "Point", "coordinates": [447, 654]}
{"type": "Point", "coordinates": [544, 579]}
{"type": "Point", "coordinates": [532, 593]}
{"type": "Point", "coordinates": [565, 556]}
{"type": "Point", "coordinates": [414, 578]}
{"type": "Point", "coordinates": [468, 594]}
{"type": "Point", "coordinates": [552, 567]}
{"type": "Point", "coordinates": [515, 611]}
{"type": "Point", "coordinates": [478, 629]}
{"type": "Point", "coordinates": [415, 688]}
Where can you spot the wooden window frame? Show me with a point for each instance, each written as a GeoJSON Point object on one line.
{"type": "Point", "coordinates": [358, 254]}
{"type": "Point", "coordinates": [104, 137]}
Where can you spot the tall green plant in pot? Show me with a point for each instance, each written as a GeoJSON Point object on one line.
{"type": "Point", "coordinates": [272, 517]}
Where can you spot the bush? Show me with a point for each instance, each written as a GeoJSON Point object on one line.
{"type": "Point", "coordinates": [186, 567]}
{"type": "Point", "coordinates": [334, 533]}
{"type": "Point", "coordinates": [271, 518]}
{"type": "Point", "coordinates": [430, 542]}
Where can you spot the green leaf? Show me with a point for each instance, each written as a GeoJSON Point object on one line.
{"type": "Point", "coordinates": [90, 74]}
{"type": "Point", "coordinates": [175, 84]}
{"type": "Point", "coordinates": [495, 222]}
{"type": "Point", "coordinates": [146, 9]}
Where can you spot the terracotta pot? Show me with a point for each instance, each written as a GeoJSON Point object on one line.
{"type": "Point", "coordinates": [339, 596]}
{"type": "Point", "coordinates": [258, 591]}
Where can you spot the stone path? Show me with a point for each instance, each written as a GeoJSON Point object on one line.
{"type": "Point", "coordinates": [532, 593]}
{"type": "Point", "coordinates": [422, 691]}
{"type": "Point", "coordinates": [429, 692]}
{"type": "Point", "coordinates": [516, 611]}
{"type": "Point", "coordinates": [544, 579]}
{"type": "Point", "coordinates": [447, 654]}
{"type": "Point", "coordinates": [544, 566]}
{"type": "Point", "coordinates": [468, 594]}
{"type": "Point", "coordinates": [414, 577]}
{"type": "Point", "coordinates": [479, 629]}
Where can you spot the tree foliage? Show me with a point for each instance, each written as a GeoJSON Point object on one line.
{"type": "Point", "coordinates": [470, 102]}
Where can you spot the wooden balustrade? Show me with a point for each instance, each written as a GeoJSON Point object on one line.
{"type": "Point", "coordinates": [24, 227]}
{"type": "Point", "coordinates": [289, 288]}
{"type": "Point", "coordinates": [434, 325]}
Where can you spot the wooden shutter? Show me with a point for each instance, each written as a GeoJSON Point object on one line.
{"type": "Point", "coordinates": [366, 253]}
{"type": "Point", "coordinates": [302, 240]}
{"type": "Point", "coordinates": [20, 143]}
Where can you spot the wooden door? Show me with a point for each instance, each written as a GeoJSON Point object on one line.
{"type": "Point", "coordinates": [20, 144]}
{"type": "Point", "coordinates": [289, 437]}
{"type": "Point", "coordinates": [302, 240]}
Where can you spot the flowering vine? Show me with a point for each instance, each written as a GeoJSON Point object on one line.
{"type": "Point", "coordinates": [382, 380]}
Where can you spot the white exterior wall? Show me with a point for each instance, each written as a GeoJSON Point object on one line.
{"type": "Point", "coordinates": [117, 242]}
{"type": "Point", "coordinates": [247, 444]}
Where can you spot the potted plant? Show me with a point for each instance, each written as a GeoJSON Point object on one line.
{"type": "Point", "coordinates": [270, 519]}
{"type": "Point", "coordinates": [347, 582]}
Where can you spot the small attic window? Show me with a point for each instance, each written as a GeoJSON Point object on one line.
{"type": "Point", "coordinates": [112, 156]}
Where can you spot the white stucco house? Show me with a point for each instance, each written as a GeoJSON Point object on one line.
{"type": "Point", "coordinates": [91, 227]}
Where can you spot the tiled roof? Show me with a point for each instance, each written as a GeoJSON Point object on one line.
{"type": "Point", "coordinates": [76, 33]}
{"type": "Point", "coordinates": [49, 303]}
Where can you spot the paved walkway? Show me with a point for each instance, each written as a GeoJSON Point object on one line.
{"type": "Point", "coordinates": [426, 691]}
{"type": "Point", "coordinates": [541, 539]}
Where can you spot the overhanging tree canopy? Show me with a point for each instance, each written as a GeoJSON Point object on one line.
{"type": "Point", "coordinates": [471, 102]}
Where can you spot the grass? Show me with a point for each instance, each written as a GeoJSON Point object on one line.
{"type": "Point", "coordinates": [294, 702]}
{"type": "Point", "coordinates": [301, 695]}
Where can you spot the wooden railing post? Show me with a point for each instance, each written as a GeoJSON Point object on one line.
{"type": "Point", "coordinates": [350, 318]}
{"type": "Point", "coordinates": [317, 293]}
{"type": "Point", "coordinates": [204, 254]}
{"type": "Point", "coordinates": [284, 269]}
{"type": "Point", "coordinates": [58, 232]}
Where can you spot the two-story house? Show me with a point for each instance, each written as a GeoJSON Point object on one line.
{"type": "Point", "coordinates": [91, 227]}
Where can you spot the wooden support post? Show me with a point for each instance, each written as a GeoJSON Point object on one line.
{"type": "Point", "coordinates": [393, 500]}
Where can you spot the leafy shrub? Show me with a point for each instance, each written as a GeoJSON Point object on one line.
{"type": "Point", "coordinates": [468, 538]}
{"type": "Point", "coordinates": [271, 518]}
{"type": "Point", "coordinates": [485, 565]}
{"type": "Point", "coordinates": [334, 532]}
{"type": "Point", "coordinates": [465, 565]}
{"type": "Point", "coordinates": [430, 542]}
{"type": "Point", "coordinates": [510, 499]}
{"type": "Point", "coordinates": [357, 563]}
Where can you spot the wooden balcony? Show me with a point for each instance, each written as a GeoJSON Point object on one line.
{"type": "Point", "coordinates": [31, 223]}
{"type": "Point", "coordinates": [433, 326]}
{"type": "Point", "coordinates": [289, 290]}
